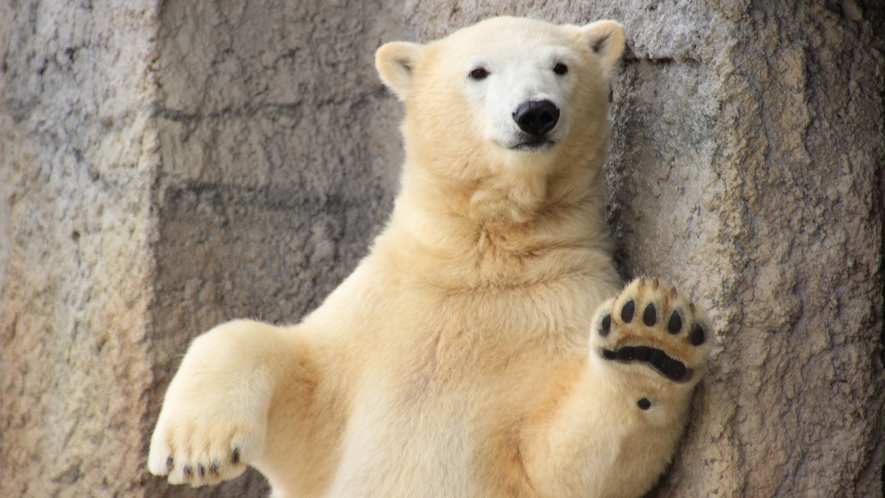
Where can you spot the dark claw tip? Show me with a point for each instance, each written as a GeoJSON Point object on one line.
{"type": "Point", "coordinates": [649, 316]}
{"type": "Point", "coordinates": [606, 325]}
{"type": "Point", "coordinates": [235, 456]}
{"type": "Point", "coordinates": [628, 311]}
{"type": "Point", "coordinates": [170, 464]}
{"type": "Point", "coordinates": [674, 326]}
{"type": "Point", "coordinates": [213, 469]}
{"type": "Point", "coordinates": [201, 470]}
{"type": "Point", "coordinates": [187, 471]}
{"type": "Point", "coordinates": [644, 403]}
{"type": "Point", "coordinates": [698, 336]}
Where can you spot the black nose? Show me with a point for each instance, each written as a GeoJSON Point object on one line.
{"type": "Point", "coordinates": [536, 117]}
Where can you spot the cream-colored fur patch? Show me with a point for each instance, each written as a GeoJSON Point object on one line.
{"type": "Point", "coordinates": [484, 347]}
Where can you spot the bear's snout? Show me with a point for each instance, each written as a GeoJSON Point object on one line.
{"type": "Point", "coordinates": [536, 117]}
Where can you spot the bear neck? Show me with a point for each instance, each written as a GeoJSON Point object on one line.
{"type": "Point", "coordinates": [502, 228]}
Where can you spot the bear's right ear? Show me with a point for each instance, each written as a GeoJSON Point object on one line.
{"type": "Point", "coordinates": [606, 39]}
{"type": "Point", "coordinates": [396, 63]}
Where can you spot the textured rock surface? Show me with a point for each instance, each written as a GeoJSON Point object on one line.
{"type": "Point", "coordinates": [76, 169]}
{"type": "Point", "coordinates": [165, 167]}
{"type": "Point", "coordinates": [280, 159]}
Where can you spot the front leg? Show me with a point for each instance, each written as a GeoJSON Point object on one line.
{"type": "Point", "coordinates": [215, 412]}
{"type": "Point", "coordinates": [616, 430]}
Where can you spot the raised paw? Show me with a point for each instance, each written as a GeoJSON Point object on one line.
{"type": "Point", "coordinates": [651, 324]}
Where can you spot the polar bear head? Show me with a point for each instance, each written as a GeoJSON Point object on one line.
{"type": "Point", "coordinates": [504, 93]}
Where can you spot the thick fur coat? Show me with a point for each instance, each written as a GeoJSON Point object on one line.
{"type": "Point", "coordinates": [485, 346]}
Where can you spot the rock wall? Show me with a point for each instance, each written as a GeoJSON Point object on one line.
{"type": "Point", "coordinates": [77, 162]}
{"type": "Point", "coordinates": [165, 166]}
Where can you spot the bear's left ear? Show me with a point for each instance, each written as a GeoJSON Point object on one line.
{"type": "Point", "coordinates": [606, 39]}
{"type": "Point", "coordinates": [396, 63]}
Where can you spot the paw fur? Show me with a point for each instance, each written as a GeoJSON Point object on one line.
{"type": "Point", "coordinates": [200, 452]}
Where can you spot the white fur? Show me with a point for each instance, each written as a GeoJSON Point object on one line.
{"type": "Point", "coordinates": [514, 80]}
{"type": "Point", "coordinates": [464, 356]}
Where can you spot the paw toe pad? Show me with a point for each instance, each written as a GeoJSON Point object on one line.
{"type": "Point", "coordinates": [627, 311]}
{"type": "Point", "coordinates": [698, 336]}
{"type": "Point", "coordinates": [605, 326]}
{"type": "Point", "coordinates": [650, 316]}
{"type": "Point", "coordinates": [674, 326]}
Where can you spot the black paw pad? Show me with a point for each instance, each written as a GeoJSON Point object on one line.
{"type": "Point", "coordinates": [698, 336]}
{"type": "Point", "coordinates": [644, 404]}
{"type": "Point", "coordinates": [628, 311]}
{"type": "Point", "coordinates": [649, 316]}
{"type": "Point", "coordinates": [606, 325]}
{"type": "Point", "coordinates": [674, 326]}
{"type": "Point", "coordinates": [670, 368]}
{"type": "Point", "coordinates": [235, 456]}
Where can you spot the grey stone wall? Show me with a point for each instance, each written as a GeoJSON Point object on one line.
{"type": "Point", "coordinates": [77, 162]}
{"type": "Point", "coordinates": [165, 166]}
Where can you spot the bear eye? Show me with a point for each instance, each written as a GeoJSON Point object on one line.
{"type": "Point", "coordinates": [560, 69]}
{"type": "Point", "coordinates": [479, 74]}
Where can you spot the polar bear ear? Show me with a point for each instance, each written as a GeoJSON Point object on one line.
{"type": "Point", "coordinates": [606, 39]}
{"type": "Point", "coordinates": [396, 63]}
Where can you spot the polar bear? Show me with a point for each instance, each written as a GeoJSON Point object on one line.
{"type": "Point", "coordinates": [484, 347]}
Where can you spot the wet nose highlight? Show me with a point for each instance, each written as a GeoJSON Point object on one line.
{"type": "Point", "coordinates": [536, 117]}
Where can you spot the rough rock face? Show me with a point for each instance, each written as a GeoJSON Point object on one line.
{"type": "Point", "coordinates": [76, 165]}
{"type": "Point", "coordinates": [165, 167]}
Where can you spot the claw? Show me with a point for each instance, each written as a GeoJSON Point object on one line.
{"type": "Point", "coordinates": [654, 284]}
